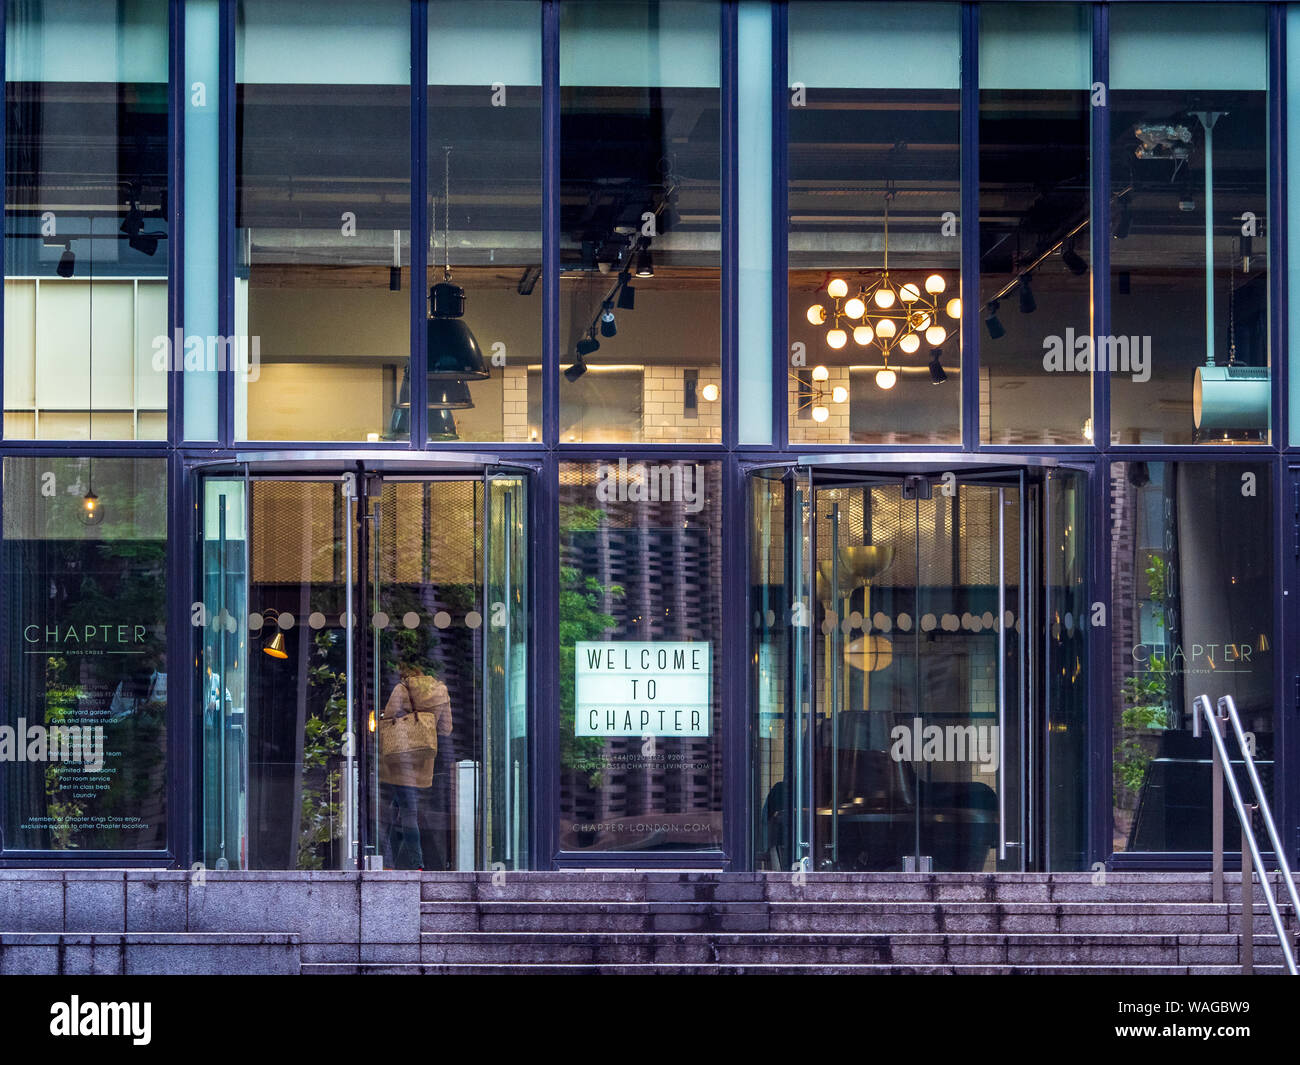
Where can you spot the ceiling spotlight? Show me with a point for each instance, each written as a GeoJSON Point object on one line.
{"type": "Point", "coordinates": [67, 261]}
{"type": "Point", "coordinates": [589, 344]}
{"type": "Point", "coordinates": [993, 323]}
{"type": "Point", "coordinates": [608, 327]}
{"type": "Point", "coordinates": [145, 243]}
{"type": "Point", "coordinates": [1073, 261]}
{"type": "Point", "coordinates": [1027, 303]}
{"type": "Point", "coordinates": [528, 280]}
{"type": "Point", "coordinates": [937, 374]}
{"type": "Point", "coordinates": [626, 293]}
{"type": "Point", "coordinates": [133, 223]}
{"type": "Point", "coordinates": [575, 371]}
{"type": "Point", "coordinates": [645, 264]}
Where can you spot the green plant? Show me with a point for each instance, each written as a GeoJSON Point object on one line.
{"type": "Point", "coordinates": [582, 617]}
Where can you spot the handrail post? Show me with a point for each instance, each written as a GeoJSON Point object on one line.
{"type": "Point", "coordinates": [1216, 800]}
{"type": "Point", "coordinates": [1248, 900]}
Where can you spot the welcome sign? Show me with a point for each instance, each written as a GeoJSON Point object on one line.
{"type": "Point", "coordinates": [639, 688]}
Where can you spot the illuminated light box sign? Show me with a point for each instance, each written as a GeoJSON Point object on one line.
{"type": "Point", "coordinates": [635, 688]}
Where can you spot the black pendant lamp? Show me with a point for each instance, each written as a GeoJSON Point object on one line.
{"type": "Point", "coordinates": [442, 425]}
{"type": "Point", "coordinates": [454, 354]}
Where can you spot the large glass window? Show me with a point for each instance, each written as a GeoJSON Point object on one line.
{"type": "Point", "coordinates": [485, 206]}
{"type": "Point", "coordinates": [640, 630]}
{"type": "Point", "coordinates": [1035, 222]}
{"type": "Point", "coordinates": [874, 232]}
{"type": "Point", "coordinates": [1189, 355]}
{"type": "Point", "coordinates": [323, 147]}
{"type": "Point", "coordinates": [83, 721]}
{"type": "Point", "coordinates": [640, 326]}
{"type": "Point", "coordinates": [1193, 588]}
{"type": "Point", "coordinates": [86, 234]}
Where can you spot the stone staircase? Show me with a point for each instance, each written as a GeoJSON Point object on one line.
{"type": "Point", "coordinates": [754, 923]}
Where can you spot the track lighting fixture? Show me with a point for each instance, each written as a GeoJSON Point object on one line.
{"type": "Point", "coordinates": [993, 323]}
{"type": "Point", "coordinates": [645, 266]}
{"type": "Point", "coordinates": [1073, 261]}
{"type": "Point", "coordinates": [937, 374]}
{"type": "Point", "coordinates": [1027, 302]}
{"type": "Point", "coordinates": [575, 371]}
{"type": "Point", "coordinates": [626, 293]}
{"type": "Point", "coordinates": [608, 326]}
{"type": "Point", "coordinates": [67, 261]}
{"type": "Point", "coordinates": [589, 344]}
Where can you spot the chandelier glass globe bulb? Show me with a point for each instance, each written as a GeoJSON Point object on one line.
{"type": "Point", "coordinates": [954, 308]}
{"type": "Point", "coordinates": [934, 284]}
{"type": "Point", "coordinates": [909, 293]}
{"type": "Point", "coordinates": [820, 414]}
{"type": "Point", "coordinates": [839, 394]}
{"type": "Point", "coordinates": [886, 378]}
{"type": "Point", "coordinates": [884, 298]}
{"type": "Point", "coordinates": [910, 343]}
{"type": "Point", "coordinates": [863, 335]}
{"type": "Point", "coordinates": [820, 373]}
{"type": "Point", "coordinates": [936, 335]}
{"type": "Point", "coordinates": [921, 321]}
{"type": "Point", "coordinates": [886, 328]}
{"type": "Point", "coordinates": [816, 314]}
{"type": "Point", "coordinates": [837, 338]}
{"type": "Point", "coordinates": [838, 288]}
{"type": "Point", "coordinates": [854, 308]}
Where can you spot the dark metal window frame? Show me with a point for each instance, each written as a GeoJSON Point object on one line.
{"type": "Point", "coordinates": [732, 671]}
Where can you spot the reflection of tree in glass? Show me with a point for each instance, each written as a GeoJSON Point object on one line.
{"type": "Point", "coordinates": [581, 618]}
{"type": "Point", "coordinates": [322, 812]}
{"type": "Point", "coordinates": [1147, 694]}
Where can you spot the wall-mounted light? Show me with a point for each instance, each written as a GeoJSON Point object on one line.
{"type": "Point", "coordinates": [993, 323]}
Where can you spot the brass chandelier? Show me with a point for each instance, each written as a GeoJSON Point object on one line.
{"type": "Point", "coordinates": [887, 315]}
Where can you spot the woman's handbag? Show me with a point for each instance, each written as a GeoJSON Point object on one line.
{"type": "Point", "coordinates": [406, 730]}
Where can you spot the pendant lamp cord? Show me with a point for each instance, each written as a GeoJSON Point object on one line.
{"type": "Point", "coordinates": [446, 200]}
{"type": "Point", "coordinates": [1232, 311]}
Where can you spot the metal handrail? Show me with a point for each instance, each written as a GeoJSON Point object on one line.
{"type": "Point", "coordinates": [1228, 712]}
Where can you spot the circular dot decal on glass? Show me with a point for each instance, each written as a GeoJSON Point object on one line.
{"type": "Point", "coordinates": [255, 621]}
{"type": "Point", "coordinates": [855, 619]}
{"type": "Point", "coordinates": [976, 625]}
{"type": "Point", "coordinates": [317, 620]}
{"type": "Point", "coordinates": [950, 623]}
{"type": "Point", "coordinates": [928, 623]}
{"type": "Point", "coordinates": [442, 619]}
{"type": "Point", "coordinates": [1008, 618]}
{"type": "Point", "coordinates": [411, 619]}
{"type": "Point", "coordinates": [881, 621]}
{"type": "Point", "coordinates": [771, 618]}
{"type": "Point", "coordinates": [828, 626]}
{"type": "Point", "coordinates": [380, 620]}
{"type": "Point", "coordinates": [286, 621]}
{"type": "Point", "coordinates": [904, 622]}
{"type": "Point", "coordinates": [987, 619]}
{"type": "Point", "coordinates": [473, 619]}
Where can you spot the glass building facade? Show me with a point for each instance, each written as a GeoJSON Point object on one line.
{"type": "Point", "coordinates": [531, 434]}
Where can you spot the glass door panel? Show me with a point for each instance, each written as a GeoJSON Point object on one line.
{"type": "Point", "coordinates": [364, 671]}
{"type": "Point", "coordinates": [221, 623]}
{"type": "Point", "coordinates": [505, 678]}
{"type": "Point", "coordinates": [780, 574]}
{"type": "Point", "coordinates": [918, 675]}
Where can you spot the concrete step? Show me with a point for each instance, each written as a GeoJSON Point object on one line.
{"type": "Point", "coordinates": [776, 970]}
{"type": "Point", "coordinates": [628, 886]}
{"type": "Point", "coordinates": [149, 953]}
{"type": "Point", "coordinates": [548, 948]}
{"type": "Point", "coordinates": [863, 917]}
